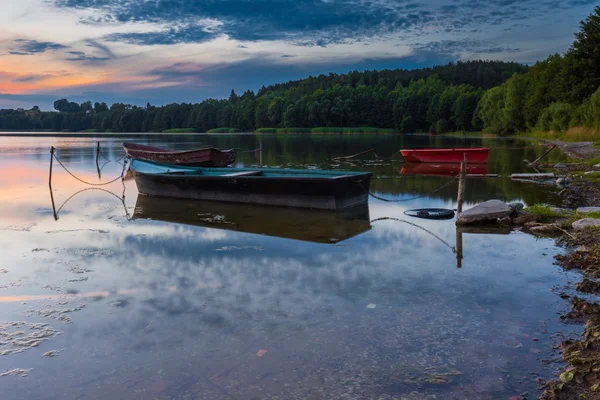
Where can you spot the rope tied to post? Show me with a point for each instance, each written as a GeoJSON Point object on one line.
{"type": "Point", "coordinates": [54, 156]}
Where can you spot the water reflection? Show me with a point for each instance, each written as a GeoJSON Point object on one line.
{"type": "Point", "coordinates": [179, 303]}
{"type": "Point", "coordinates": [300, 224]}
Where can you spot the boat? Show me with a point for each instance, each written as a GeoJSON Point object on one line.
{"type": "Point", "coordinates": [204, 157]}
{"type": "Point", "coordinates": [317, 226]}
{"type": "Point", "coordinates": [474, 155]}
{"type": "Point", "coordinates": [304, 188]}
{"type": "Point", "coordinates": [440, 169]}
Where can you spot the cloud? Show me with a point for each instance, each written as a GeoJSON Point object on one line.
{"type": "Point", "coordinates": [30, 78]}
{"type": "Point", "coordinates": [23, 47]}
{"type": "Point", "coordinates": [458, 47]}
{"type": "Point", "coordinates": [81, 56]}
{"type": "Point", "coordinates": [101, 48]}
{"type": "Point", "coordinates": [186, 34]}
{"type": "Point", "coordinates": [291, 20]}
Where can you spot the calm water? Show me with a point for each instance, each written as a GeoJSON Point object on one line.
{"type": "Point", "coordinates": [163, 299]}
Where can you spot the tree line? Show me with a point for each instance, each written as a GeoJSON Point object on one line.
{"type": "Point", "coordinates": [440, 98]}
{"type": "Point", "coordinates": [558, 93]}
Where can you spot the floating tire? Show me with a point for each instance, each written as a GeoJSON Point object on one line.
{"type": "Point", "coordinates": [431, 213]}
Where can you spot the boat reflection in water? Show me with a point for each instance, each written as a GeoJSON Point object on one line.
{"type": "Point", "coordinates": [435, 169]}
{"type": "Point", "coordinates": [317, 226]}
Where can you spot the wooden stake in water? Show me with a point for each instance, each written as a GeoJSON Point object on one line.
{"type": "Point", "coordinates": [459, 248]}
{"type": "Point", "coordinates": [462, 182]}
{"type": "Point", "coordinates": [50, 182]}
{"type": "Point", "coordinates": [51, 162]}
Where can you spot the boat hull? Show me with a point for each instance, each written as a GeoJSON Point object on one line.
{"type": "Point", "coordinates": [474, 155]}
{"type": "Point", "coordinates": [207, 157]}
{"type": "Point", "coordinates": [337, 193]}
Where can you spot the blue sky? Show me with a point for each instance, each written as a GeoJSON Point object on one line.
{"type": "Point", "coordinates": [163, 51]}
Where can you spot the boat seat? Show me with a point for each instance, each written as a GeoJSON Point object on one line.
{"type": "Point", "coordinates": [245, 173]}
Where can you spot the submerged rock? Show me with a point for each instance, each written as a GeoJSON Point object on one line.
{"type": "Point", "coordinates": [489, 211]}
{"type": "Point", "coordinates": [544, 229]}
{"type": "Point", "coordinates": [586, 223]}
{"type": "Point", "coordinates": [561, 167]}
{"type": "Point", "coordinates": [523, 218]}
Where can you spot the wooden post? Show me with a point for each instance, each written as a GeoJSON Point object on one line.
{"type": "Point", "coordinates": [51, 162]}
{"type": "Point", "coordinates": [459, 248]}
{"type": "Point", "coordinates": [533, 164]}
{"type": "Point", "coordinates": [260, 149]}
{"type": "Point", "coordinates": [50, 183]}
{"type": "Point", "coordinates": [462, 183]}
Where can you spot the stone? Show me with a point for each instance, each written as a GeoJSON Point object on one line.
{"type": "Point", "coordinates": [516, 206]}
{"type": "Point", "coordinates": [561, 167]}
{"type": "Point", "coordinates": [506, 221]}
{"type": "Point", "coordinates": [523, 218]}
{"type": "Point", "coordinates": [584, 210]}
{"type": "Point", "coordinates": [560, 210]}
{"type": "Point", "coordinates": [544, 228]}
{"type": "Point", "coordinates": [532, 224]}
{"type": "Point", "coordinates": [597, 166]}
{"type": "Point", "coordinates": [486, 212]}
{"type": "Point", "coordinates": [586, 223]}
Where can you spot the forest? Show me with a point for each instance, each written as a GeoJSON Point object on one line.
{"type": "Point", "coordinates": [557, 94]}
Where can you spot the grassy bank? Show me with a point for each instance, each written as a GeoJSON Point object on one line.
{"type": "Point", "coordinates": [327, 130]}
{"type": "Point", "coordinates": [577, 134]}
{"type": "Point", "coordinates": [180, 130]}
{"type": "Point", "coordinates": [223, 130]}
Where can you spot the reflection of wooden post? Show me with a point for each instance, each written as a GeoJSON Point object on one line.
{"type": "Point", "coordinates": [98, 165]}
{"type": "Point", "coordinates": [462, 183]}
{"type": "Point", "coordinates": [459, 248]}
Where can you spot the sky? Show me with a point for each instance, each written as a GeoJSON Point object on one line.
{"type": "Point", "coordinates": [165, 51]}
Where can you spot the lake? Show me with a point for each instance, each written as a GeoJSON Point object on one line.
{"type": "Point", "coordinates": [148, 298]}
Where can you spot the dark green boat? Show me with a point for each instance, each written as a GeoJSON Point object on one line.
{"type": "Point", "coordinates": [319, 189]}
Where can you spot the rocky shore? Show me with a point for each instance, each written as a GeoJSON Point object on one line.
{"type": "Point", "coordinates": [576, 226]}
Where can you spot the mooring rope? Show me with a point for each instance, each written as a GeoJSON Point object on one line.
{"type": "Point", "coordinates": [90, 183]}
{"type": "Point", "coordinates": [109, 160]}
{"type": "Point", "coordinates": [247, 151]}
{"type": "Point", "coordinates": [366, 152]}
{"type": "Point", "coordinates": [453, 180]}
{"type": "Point", "coordinates": [121, 199]}
{"type": "Point", "coordinates": [416, 226]}
{"type": "Point", "coordinates": [398, 152]}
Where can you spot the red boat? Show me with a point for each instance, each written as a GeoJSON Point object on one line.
{"type": "Point", "coordinates": [474, 155]}
{"type": "Point", "coordinates": [441, 169]}
{"type": "Point", "coordinates": [206, 157]}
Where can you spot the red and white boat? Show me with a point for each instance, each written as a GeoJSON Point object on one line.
{"type": "Point", "coordinates": [474, 155]}
{"type": "Point", "coordinates": [206, 157]}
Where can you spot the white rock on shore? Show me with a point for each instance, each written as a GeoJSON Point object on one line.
{"type": "Point", "coordinates": [489, 211]}
{"type": "Point", "coordinates": [586, 223]}
{"type": "Point", "coordinates": [585, 210]}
